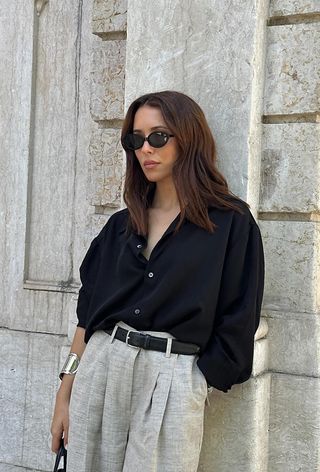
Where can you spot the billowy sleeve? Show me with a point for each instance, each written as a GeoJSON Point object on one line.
{"type": "Point", "coordinates": [228, 356]}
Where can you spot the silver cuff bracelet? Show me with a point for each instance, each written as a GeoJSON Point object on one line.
{"type": "Point", "coordinates": [71, 365]}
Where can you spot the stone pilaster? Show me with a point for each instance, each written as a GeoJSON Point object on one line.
{"type": "Point", "coordinates": [289, 212]}
{"type": "Point", "coordinates": [215, 53]}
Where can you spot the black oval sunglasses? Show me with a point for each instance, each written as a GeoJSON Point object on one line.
{"type": "Point", "coordinates": [157, 139]}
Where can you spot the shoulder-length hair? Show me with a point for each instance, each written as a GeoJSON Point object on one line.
{"type": "Point", "coordinates": [198, 182]}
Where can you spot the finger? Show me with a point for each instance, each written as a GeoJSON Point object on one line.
{"type": "Point", "coordinates": [66, 433]}
{"type": "Point", "coordinates": [56, 438]}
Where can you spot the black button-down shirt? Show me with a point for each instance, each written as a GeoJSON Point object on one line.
{"type": "Point", "coordinates": [203, 288]}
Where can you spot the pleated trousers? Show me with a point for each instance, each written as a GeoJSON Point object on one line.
{"type": "Point", "coordinates": [135, 410]}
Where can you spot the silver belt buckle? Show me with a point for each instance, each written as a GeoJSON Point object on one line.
{"type": "Point", "coordinates": [128, 337]}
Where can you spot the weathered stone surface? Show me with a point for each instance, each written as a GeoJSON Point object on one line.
{"type": "Point", "coordinates": [292, 264]}
{"type": "Point", "coordinates": [107, 80]}
{"type": "Point", "coordinates": [13, 368]}
{"type": "Point", "coordinates": [35, 310]}
{"type": "Point", "coordinates": [29, 367]}
{"type": "Point", "coordinates": [72, 318]}
{"type": "Point", "coordinates": [294, 423]}
{"type": "Point", "coordinates": [23, 309]}
{"type": "Point", "coordinates": [236, 429]}
{"type": "Point", "coordinates": [292, 69]}
{"type": "Point", "coordinates": [293, 7]}
{"type": "Point", "coordinates": [294, 343]}
{"type": "Point", "coordinates": [106, 164]}
{"type": "Point", "coordinates": [109, 16]}
{"type": "Point", "coordinates": [42, 384]}
{"type": "Point", "coordinates": [13, 468]}
{"type": "Point", "coordinates": [196, 51]}
{"type": "Point", "coordinates": [261, 357]}
{"type": "Point", "coordinates": [54, 145]}
{"type": "Point", "coordinates": [290, 168]}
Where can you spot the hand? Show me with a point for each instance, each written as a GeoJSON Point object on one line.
{"type": "Point", "coordinates": [60, 421]}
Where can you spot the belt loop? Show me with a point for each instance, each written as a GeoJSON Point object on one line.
{"type": "Point", "coordinates": [169, 345]}
{"type": "Point", "coordinates": [112, 335]}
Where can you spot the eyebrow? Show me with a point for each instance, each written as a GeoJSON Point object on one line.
{"type": "Point", "coordinates": [153, 128]}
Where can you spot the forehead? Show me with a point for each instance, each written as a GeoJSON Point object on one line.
{"type": "Point", "coordinates": [148, 117]}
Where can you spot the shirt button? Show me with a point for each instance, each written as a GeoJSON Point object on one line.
{"type": "Point", "coordinates": [139, 246]}
{"type": "Point", "coordinates": [150, 274]}
{"type": "Point", "coordinates": [137, 311]}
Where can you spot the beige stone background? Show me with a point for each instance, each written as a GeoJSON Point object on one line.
{"type": "Point", "coordinates": [68, 71]}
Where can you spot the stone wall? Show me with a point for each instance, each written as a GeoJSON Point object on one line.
{"type": "Point", "coordinates": [254, 69]}
{"type": "Point", "coordinates": [289, 213]}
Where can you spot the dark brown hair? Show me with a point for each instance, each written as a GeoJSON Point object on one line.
{"type": "Point", "coordinates": [195, 175]}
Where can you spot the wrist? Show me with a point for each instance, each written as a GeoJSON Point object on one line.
{"type": "Point", "coordinates": [70, 366]}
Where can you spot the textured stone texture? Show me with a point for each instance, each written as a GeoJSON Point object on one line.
{"type": "Point", "coordinates": [39, 310]}
{"type": "Point", "coordinates": [290, 168]}
{"type": "Point", "coordinates": [107, 80]}
{"type": "Point", "coordinates": [29, 366]}
{"type": "Point", "coordinates": [236, 429]}
{"type": "Point", "coordinates": [13, 468]}
{"type": "Point", "coordinates": [13, 367]}
{"type": "Point", "coordinates": [109, 16]}
{"type": "Point", "coordinates": [293, 7]}
{"type": "Point", "coordinates": [34, 310]}
{"type": "Point", "coordinates": [292, 265]}
{"type": "Point", "coordinates": [72, 317]}
{"type": "Point", "coordinates": [196, 51]}
{"type": "Point", "coordinates": [261, 357]}
{"type": "Point", "coordinates": [106, 161]}
{"type": "Point", "coordinates": [294, 424]}
{"type": "Point", "coordinates": [292, 69]}
{"type": "Point", "coordinates": [54, 145]}
{"type": "Point", "coordinates": [294, 343]}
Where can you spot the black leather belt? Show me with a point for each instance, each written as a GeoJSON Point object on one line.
{"type": "Point", "coordinates": [146, 341]}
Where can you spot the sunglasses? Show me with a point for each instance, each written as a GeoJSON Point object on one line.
{"type": "Point", "coordinates": [157, 139]}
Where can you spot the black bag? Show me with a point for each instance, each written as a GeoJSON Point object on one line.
{"type": "Point", "coordinates": [61, 456]}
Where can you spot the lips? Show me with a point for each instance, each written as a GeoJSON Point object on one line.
{"type": "Point", "coordinates": [150, 164]}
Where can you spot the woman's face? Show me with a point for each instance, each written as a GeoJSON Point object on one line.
{"type": "Point", "coordinates": [147, 120]}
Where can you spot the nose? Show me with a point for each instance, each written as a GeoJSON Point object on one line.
{"type": "Point", "coordinates": [146, 147]}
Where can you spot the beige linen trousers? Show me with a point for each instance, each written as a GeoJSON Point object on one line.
{"type": "Point", "coordinates": [135, 410]}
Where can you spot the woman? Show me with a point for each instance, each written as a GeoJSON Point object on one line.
{"type": "Point", "coordinates": [170, 301]}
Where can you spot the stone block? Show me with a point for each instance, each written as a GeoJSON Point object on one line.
{"type": "Point", "coordinates": [294, 343]}
{"type": "Point", "coordinates": [13, 375]}
{"type": "Point", "coordinates": [107, 80]}
{"type": "Point", "coordinates": [261, 357]}
{"type": "Point", "coordinates": [292, 264]}
{"type": "Point", "coordinates": [236, 428]}
{"type": "Point", "coordinates": [29, 368]}
{"type": "Point", "coordinates": [290, 168]}
{"type": "Point", "coordinates": [196, 50]}
{"type": "Point", "coordinates": [35, 310]}
{"type": "Point", "coordinates": [292, 82]}
{"type": "Point", "coordinates": [294, 440]}
{"type": "Point", "coordinates": [293, 7]}
{"type": "Point", "coordinates": [42, 384]}
{"type": "Point", "coordinates": [72, 318]}
{"type": "Point", "coordinates": [109, 16]}
{"type": "Point", "coordinates": [13, 468]}
{"type": "Point", "coordinates": [106, 165]}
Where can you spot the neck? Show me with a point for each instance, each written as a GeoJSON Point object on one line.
{"type": "Point", "coordinates": [165, 197]}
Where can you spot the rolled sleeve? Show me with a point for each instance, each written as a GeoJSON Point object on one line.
{"type": "Point", "coordinates": [228, 356]}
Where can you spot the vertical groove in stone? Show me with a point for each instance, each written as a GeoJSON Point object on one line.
{"type": "Point", "coordinates": [31, 142]}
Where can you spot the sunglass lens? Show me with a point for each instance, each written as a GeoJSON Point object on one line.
{"type": "Point", "coordinates": [157, 139]}
{"type": "Point", "coordinates": [133, 141]}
